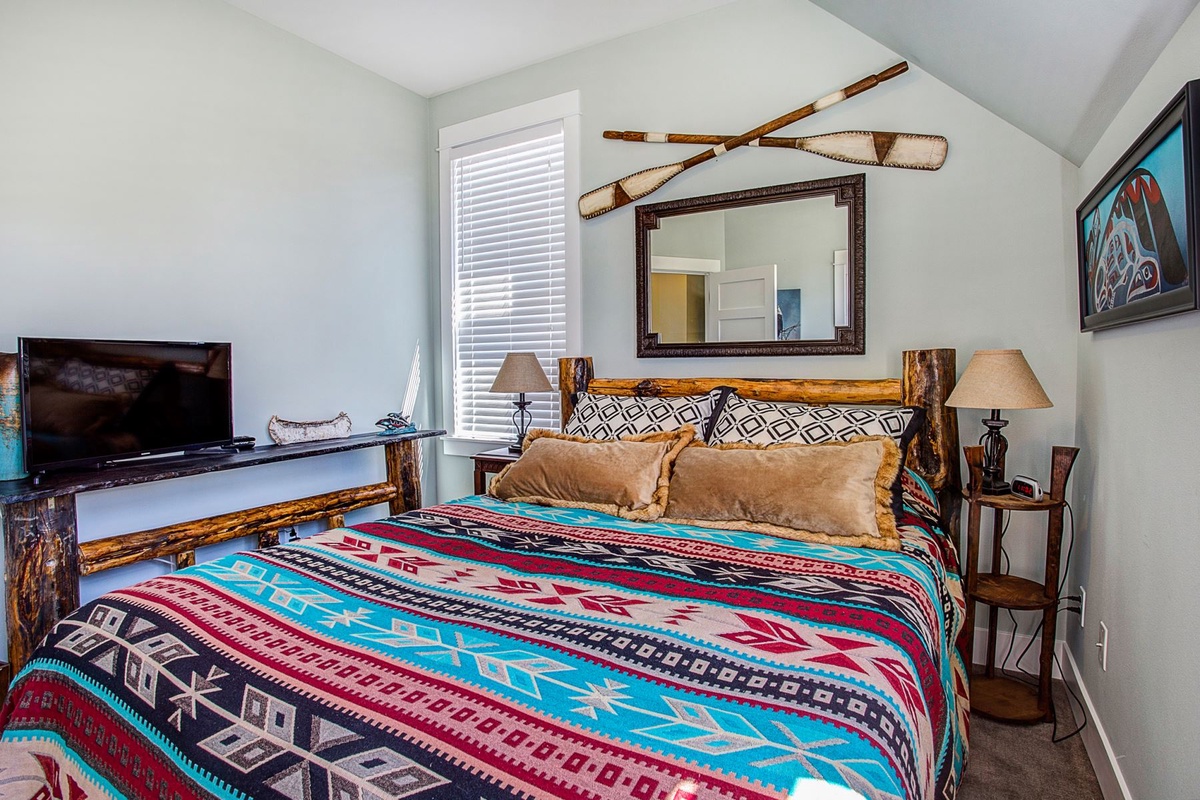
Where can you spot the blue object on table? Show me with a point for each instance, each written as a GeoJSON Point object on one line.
{"type": "Point", "coordinates": [395, 423]}
{"type": "Point", "coordinates": [12, 458]}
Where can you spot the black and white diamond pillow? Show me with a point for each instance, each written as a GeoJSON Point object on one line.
{"type": "Point", "coordinates": [606, 416]}
{"type": "Point", "coordinates": [79, 376]}
{"type": "Point", "coordinates": [762, 422]}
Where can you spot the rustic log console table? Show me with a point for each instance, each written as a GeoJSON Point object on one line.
{"type": "Point", "coordinates": [44, 557]}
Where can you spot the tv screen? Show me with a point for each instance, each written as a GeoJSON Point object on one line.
{"type": "Point", "coordinates": [86, 402]}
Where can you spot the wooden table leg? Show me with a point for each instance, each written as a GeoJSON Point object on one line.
{"type": "Point", "coordinates": [1050, 617]}
{"type": "Point", "coordinates": [404, 472]}
{"type": "Point", "coordinates": [480, 479]}
{"type": "Point", "coordinates": [973, 514]}
{"type": "Point", "coordinates": [41, 551]}
{"type": "Point", "coordinates": [994, 611]}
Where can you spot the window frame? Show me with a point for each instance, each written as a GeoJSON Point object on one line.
{"type": "Point", "coordinates": [564, 108]}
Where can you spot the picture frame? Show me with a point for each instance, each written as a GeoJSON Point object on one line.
{"type": "Point", "coordinates": [788, 303]}
{"type": "Point", "coordinates": [1137, 231]}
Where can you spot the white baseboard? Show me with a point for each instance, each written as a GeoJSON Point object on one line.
{"type": "Point", "coordinates": [1095, 740]}
{"type": "Point", "coordinates": [1030, 662]}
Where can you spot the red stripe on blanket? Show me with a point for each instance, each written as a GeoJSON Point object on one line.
{"type": "Point", "coordinates": [101, 738]}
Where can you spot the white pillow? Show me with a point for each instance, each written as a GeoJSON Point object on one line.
{"type": "Point", "coordinates": [745, 421]}
{"type": "Point", "coordinates": [606, 416]}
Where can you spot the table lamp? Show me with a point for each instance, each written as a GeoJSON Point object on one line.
{"type": "Point", "coordinates": [521, 373]}
{"type": "Point", "coordinates": [997, 379]}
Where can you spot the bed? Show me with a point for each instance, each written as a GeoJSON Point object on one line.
{"type": "Point", "coordinates": [484, 649]}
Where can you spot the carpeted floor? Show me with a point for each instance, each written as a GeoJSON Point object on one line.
{"type": "Point", "coordinates": [1016, 762]}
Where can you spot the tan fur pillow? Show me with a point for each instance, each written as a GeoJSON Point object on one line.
{"type": "Point", "coordinates": [829, 493]}
{"type": "Point", "coordinates": [62, 413]}
{"type": "Point", "coordinates": [627, 477]}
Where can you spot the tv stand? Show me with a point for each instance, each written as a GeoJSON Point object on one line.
{"type": "Point", "coordinates": [44, 558]}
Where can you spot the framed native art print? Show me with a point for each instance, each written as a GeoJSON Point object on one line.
{"type": "Point", "coordinates": [1137, 231]}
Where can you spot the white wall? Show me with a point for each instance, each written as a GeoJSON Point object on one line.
{"type": "Point", "coordinates": [179, 169]}
{"type": "Point", "coordinates": [967, 257]}
{"type": "Point", "coordinates": [1137, 503]}
{"type": "Point", "coordinates": [691, 236]}
{"type": "Point", "coordinates": [799, 237]}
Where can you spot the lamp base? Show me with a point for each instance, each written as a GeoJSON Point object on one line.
{"type": "Point", "coordinates": [992, 485]}
{"type": "Point", "coordinates": [521, 419]}
{"type": "Point", "coordinates": [995, 446]}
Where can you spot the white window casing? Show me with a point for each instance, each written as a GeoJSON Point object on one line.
{"type": "Point", "coordinates": [510, 261]}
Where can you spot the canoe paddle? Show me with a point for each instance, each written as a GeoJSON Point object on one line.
{"type": "Point", "coordinates": [639, 184]}
{"type": "Point", "coordinates": [883, 149]}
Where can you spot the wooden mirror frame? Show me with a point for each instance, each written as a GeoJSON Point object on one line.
{"type": "Point", "coordinates": [846, 190]}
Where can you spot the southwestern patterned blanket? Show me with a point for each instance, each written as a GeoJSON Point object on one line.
{"type": "Point", "coordinates": [488, 650]}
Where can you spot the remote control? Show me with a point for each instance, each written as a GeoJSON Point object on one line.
{"type": "Point", "coordinates": [239, 444]}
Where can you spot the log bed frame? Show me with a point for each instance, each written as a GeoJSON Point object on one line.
{"type": "Point", "coordinates": [926, 382]}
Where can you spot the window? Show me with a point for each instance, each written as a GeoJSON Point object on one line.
{"type": "Point", "coordinates": [510, 260]}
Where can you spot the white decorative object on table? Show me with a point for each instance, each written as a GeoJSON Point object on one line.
{"type": "Point", "coordinates": [285, 431]}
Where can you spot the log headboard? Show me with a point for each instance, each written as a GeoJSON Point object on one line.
{"type": "Point", "coordinates": [927, 381]}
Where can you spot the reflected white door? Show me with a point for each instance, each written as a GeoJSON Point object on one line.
{"type": "Point", "coordinates": [740, 305]}
{"type": "Point", "coordinates": [841, 289]}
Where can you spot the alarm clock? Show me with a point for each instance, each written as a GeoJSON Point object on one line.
{"type": "Point", "coordinates": [1027, 488]}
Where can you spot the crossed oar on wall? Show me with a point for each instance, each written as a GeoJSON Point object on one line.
{"type": "Point", "coordinates": [904, 150]}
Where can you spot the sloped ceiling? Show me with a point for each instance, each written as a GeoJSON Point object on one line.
{"type": "Point", "coordinates": [434, 46]}
{"type": "Point", "coordinates": [1059, 70]}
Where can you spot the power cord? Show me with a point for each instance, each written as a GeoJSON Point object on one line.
{"type": "Point", "coordinates": [1062, 584]}
{"type": "Point", "coordinates": [1005, 567]}
{"type": "Point", "coordinates": [1030, 679]}
{"type": "Point", "coordinates": [1006, 562]}
{"type": "Point", "coordinates": [1054, 737]}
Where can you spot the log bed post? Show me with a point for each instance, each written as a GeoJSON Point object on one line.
{"type": "Point", "coordinates": [574, 375]}
{"type": "Point", "coordinates": [41, 570]}
{"type": "Point", "coordinates": [929, 377]}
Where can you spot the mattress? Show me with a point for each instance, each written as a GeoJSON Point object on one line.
{"type": "Point", "coordinates": [480, 649]}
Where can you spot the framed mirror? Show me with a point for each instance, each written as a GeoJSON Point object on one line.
{"type": "Point", "coordinates": [775, 271]}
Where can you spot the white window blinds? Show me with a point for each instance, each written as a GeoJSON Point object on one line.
{"type": "Point", "coordinates": [508, 217]}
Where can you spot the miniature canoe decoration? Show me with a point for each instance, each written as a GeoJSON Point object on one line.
{"type": "Point", "coordinates": [638, 185]}
{"type": "Point", "coordinates": [879, 148]}
{"type": "Point", "coordinates": [286, 431]}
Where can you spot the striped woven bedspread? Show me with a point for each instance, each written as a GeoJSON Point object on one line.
{"type": "Point", "coordinates": [487, 650]}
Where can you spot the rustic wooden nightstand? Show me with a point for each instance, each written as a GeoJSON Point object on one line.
{"type": "Point", "coordinates": [491, 461]}
{"type": "Point", "coordinates": [992, 694]}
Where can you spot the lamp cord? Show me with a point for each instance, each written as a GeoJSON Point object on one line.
{"type": "Point", "coordinates": [1006, 565]}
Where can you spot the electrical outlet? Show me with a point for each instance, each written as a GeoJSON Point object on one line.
{"type": "Point", "coordinates": [1082, 604]}
{"type": "Point", "coordinates": [1102, 646]}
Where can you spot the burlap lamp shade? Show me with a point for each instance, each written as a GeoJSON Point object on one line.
{"type": "Point", "coordinates": [997, 379]}
{"type": "Point", "coordinates": [521, 372]}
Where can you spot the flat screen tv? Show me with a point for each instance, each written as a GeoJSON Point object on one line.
{"type": "Point", "coordinates": [86, 402]}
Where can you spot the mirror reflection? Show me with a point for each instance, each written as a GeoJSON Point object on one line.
{"type": "Point", "coordinates": [761, 273]}
{"type": "Point", "coordinates": [777, 270]}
